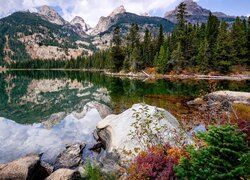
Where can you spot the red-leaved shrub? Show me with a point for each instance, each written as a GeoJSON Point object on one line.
{"type": "Point", "coordinates": [155, 163]}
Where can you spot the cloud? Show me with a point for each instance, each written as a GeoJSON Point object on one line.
{"type": "Point", "coordinates": [90, 10]}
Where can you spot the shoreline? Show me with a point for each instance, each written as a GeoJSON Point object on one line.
{"type": "Point", "coordinates": [144, 75]}
{"type": "Point", "coordinates": [239, 77]}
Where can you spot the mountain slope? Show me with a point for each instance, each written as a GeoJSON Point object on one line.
{"type": "Point", "coordinates": [119, 17]}
{"type": "Point", "coordinates": [196, 14]}
{"type": "Point", "coordinates": [25, 36]}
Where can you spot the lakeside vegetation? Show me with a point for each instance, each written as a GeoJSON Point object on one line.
{"type": "Point", "coordinates": [202, 48]}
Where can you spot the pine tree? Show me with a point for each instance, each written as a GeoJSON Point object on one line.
{"type": "Point", "coordinates": [117, 56]}
{"type": "Point", "coordinates": [147, 49]}
{"type": "Point", "coordinates": [238, 36]}
{"type": "Point", "coordinates": [132, 41]}
{"type": "Point", "coordinates": [248, 41]}
{"type": "Point", "coordinates": [162, 60]}
{"type": "Point", "coordinates": [160, 39]}
{"type": "Point", "coordinates": [225, 156]}
{"type": "Point", "coordinates": [212, 32]}
{"type": "Point", "coordinates": [202, 58]}
{"type": "Point", "coordinates": [177, 58]}
{"type": "Point", "coordinates": [224, 49]}
{"type": "Point", "coordinates": [136, 61]}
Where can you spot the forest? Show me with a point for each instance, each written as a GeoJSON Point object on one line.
{"type": "Point", "coordinates": [202, 48]}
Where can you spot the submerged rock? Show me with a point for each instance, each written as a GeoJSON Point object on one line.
{"type": "Point", "coordinates": [25, 168]}
{"type": "Point", "coordinates": [221, 100]}
{"type": "Point", "coordinates": [102, 109]}
{"type": "Point", "coordinates": [64, 174]}
{"type": "Point", "coordinates": [115, 130]}
{"type": "Point", "coordinates": [71, 157]}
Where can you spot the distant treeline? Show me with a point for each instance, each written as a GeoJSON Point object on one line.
{"type": "Point", "coordinates": [214, 46]}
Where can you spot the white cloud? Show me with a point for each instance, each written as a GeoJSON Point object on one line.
{"type": "Point", "coordinates": [90, 10]}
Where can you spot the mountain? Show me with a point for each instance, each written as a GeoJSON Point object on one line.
{"type": "Point", "coordinates": [78, 21]}
{"type": "Point", "coordinates": [25, 36]}
{"type": "Point", "coordinates": [196, 14]}
{"type": "Point", "coordinates": [51, 15]}
{"type": "Point", "coordinates": [119, 17]}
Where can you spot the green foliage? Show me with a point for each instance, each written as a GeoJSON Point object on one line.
{"type": "Point", "coordinates": [162, 60]}
{"type": "Point", "coordinates": [94, 173]}
{"type": "Point", "coordinates": [225, 156]}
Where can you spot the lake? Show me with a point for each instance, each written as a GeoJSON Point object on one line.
{"type": "Point", "coordinates": [29, 98]}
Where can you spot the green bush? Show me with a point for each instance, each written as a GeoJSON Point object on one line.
{"type": "Point", "coordinates": [95, 173]}
{"type": "Point", "coordinates": [225, 156]}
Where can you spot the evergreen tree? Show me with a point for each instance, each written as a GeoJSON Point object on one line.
{"type": "Point", "coordinates": [162, 60]}
{"type": "Point", "coordinates": [147, 49]}
{"type": "Point", "coordinates": [177, 58]}
{"type": "Point", "coordinates": [136, 61]}
{"type": "Point", "coordinates": [248, 41]}
{"type": "Point", "coordinates": [117, 56]}
{"type": "Point", "coordinates": [202, 58]}
{"type": "Point", "coordinates": [132, 41]}
{"type": "Point", "coordinates": [239, 40]}
{"type": "Point", "coordinates": [212, 32]}
{"type": "Point", "coordinates": [160, 39]}
{"type": "Point", "coordinates": [224, 49]}
{"type": "Point", "coordinates": [225, 156]}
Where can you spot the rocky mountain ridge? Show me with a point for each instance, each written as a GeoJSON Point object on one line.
{"type": "Point", "coordinates": [51, 15]}
{"type": "Point", "coordinates": [196, 13]}
{"type": "Point", "coordinates": [79, 21]}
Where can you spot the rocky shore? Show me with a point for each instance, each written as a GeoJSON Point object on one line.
{"type": "Point", "coordinates": [144, 75]}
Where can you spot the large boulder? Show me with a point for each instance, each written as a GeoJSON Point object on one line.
{"type": "Point", "coordinates": [116, 131]}
{"type": "Point", "coordinates": [64, 174]}
{"type": "Point", "coordinates": [221, 100]}
{"type": "Point", "coordinates": [71, 157]}
{"type": "Point", "coordinates": [25, 168]}
{"type": "Point", "coordinates": [230, 96]}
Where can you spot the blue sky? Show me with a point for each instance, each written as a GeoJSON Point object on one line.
{"type": "Point", "coordinates": [92, 10]}
{"type": "Point", "coordinates": [230, 7]}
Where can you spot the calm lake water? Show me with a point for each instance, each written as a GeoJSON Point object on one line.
{"type": "Point", "coordinates": [32, 96]}
{"type": "Point", "coordinates": [29, 98]}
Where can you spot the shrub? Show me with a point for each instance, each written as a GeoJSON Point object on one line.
{"type": "Point", "coordinates": [156, 162]}
{"type": "Point", "coordinates": [225, 156]}
{"type": "Point", "coordinates": [94, 173]}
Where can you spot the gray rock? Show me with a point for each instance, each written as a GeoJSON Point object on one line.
{"type": "Point", "coordinates": [25, 168]}
{"type": "Point", "coordinates": [221, 100]}
{"type": "Point", "coordinates": [95, 135]}
{"type": "Point", "coordinates": [114, 131]}
{"type": "Point", "coordinates": [71, 157]}
{"type": "Point", "coordinates": [51, 15]}
{"type": "Point", "coordinates": [48, 167]}
{"type": "Point", "coordinates": [97, 147]}
{"type": "Point", "coordinates": [64, 174]}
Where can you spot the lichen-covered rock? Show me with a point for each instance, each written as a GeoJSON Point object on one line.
{"type": "Point", "coordinates": [64, 174]}
{"type": "Point", "coordinates": [25, 168]}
